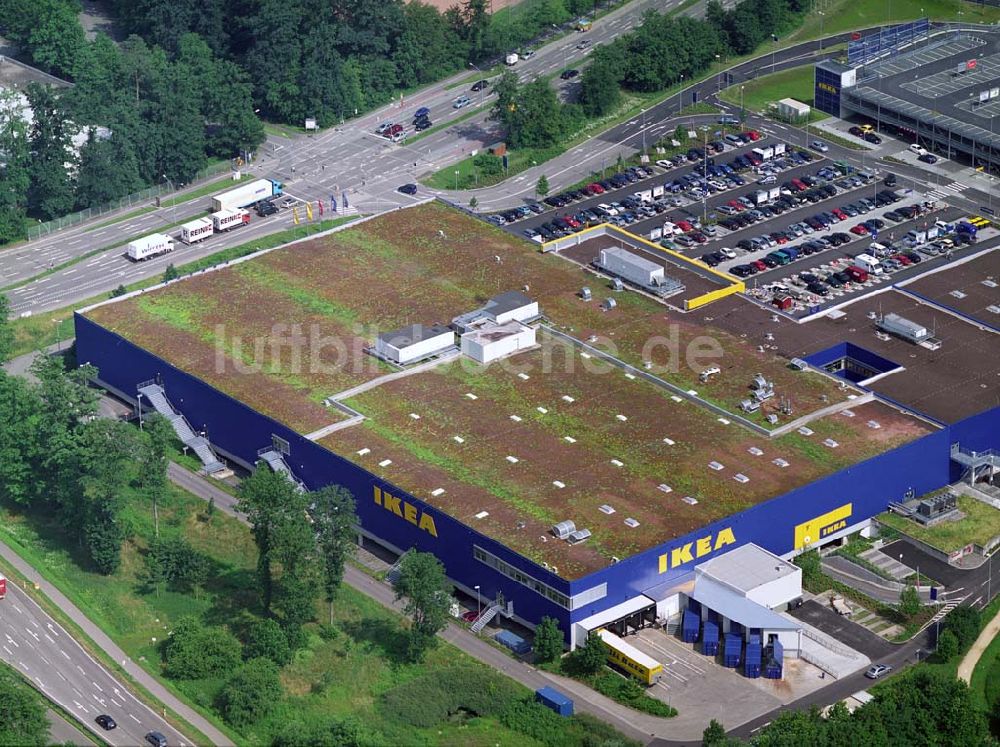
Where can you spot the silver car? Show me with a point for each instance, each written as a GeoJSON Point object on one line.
{"type": "Point", "coordinates": [877, 670]}
{"type": "Point", "coordinates": [461, 102]}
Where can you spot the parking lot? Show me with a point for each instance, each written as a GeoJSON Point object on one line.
{"type": "Point", "coordinates": [701, 688]}
{"type": "Point", "coordinates": [793, 225]}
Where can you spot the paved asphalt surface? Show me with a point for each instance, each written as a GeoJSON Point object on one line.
{"type": "Point", "coordinates": [42, 650]}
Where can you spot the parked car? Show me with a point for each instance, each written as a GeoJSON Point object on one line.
{"type": "Point", "coordinates": [569, 74]}
{"type": "Point", "coordinates": [928, 158]}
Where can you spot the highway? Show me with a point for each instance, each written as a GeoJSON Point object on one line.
{"type": "Point", "coordinates": [42, 650]}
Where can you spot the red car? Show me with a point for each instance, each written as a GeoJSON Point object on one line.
{"type": "Point", "coordinates": [470, 616]}
{"type": "Point", "coordinates": [736, 205]}
{"type": "Point", "coordinates": [685, 226]}
{"type": "Point", "coordinates": [839, 213]}
{"type": "Point", "coordinates": [779, 238]}
{"type": "Point", "coordinates": [596, 188]}
{"type": "Point", "coordinates": [902, 259]}
{"type": "Point", "coordinates": [859, 230]}
{"type": "Point", "coordinates": [394, 130]}
{"type": "Point", "coordinates": [753, 135]}
{"type": "Point", "coordinates": [698, 237]}
{"type": "Point", "coordinates": [573, 222]}
{"type": "Point", "coordinates": [759, 265]}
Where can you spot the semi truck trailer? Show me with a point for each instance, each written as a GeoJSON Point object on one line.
{"type": "Point", "coordinates": [226, 220]}
{"type": "Point", "coordinates": [149, 246]}
{"type": "Point", "coordinates": [197, 230]}
{"type": "Point", "coordinates": [245, 195]}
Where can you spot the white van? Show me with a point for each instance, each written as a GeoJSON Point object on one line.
{"type": "Point", "coordinates": [868, 263]}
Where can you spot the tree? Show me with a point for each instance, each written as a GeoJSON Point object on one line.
{"type": "Point", "coordinates": [48, 31]}
{"type": "Point", "coordinates": [909, 601]}
{"type": "Point", "coordinates": [965, 624]}
{"type": "Point", "coordinates": [170, 273]}
{"type": "Point", "coordinates": [109, 170]}
{"type": "Point", "coordinates": [20, 413]}
{"type": "Point", "coordinates": [15, 176]}
{"type": "Point", "coordinates": [336, 733]}
{"type": "Point", "coordinates": [266, 638]}
{"type": "Point", "coordinates": [22, 715]}
{"type": "Point", "coordinates": [103, 534]}
{"type": "Point", "coordinates": [118, 292]}
{"type": "Point", "coordinates": [542, 187]}
{"type": "Point", "coordinates": [251, 693]}
{"type": "Point", "coordinates": [264, 498]}
{"type": "Point", "coordinates": [473, 203]}
{"type": "Point", "coordinates": [50, 193]}
{"type": "Point", "coordinates": [175, 563]}
{"type": "Point", "coordinates": [154, 460]}
{"type": "Point", "coordinates": [680, 134]}
{"type": "Point", "coordinates": [194, 650]}
{"type": "Point", "coordinates": [6, 331]}
{"type": "Point", "coordinates": [334, 521]}
{"type": "Point", "coordinates": [590, 657]}
{"type": "Point", "coordinates": [714, 734]}
{"type": "Point", "coordinates": [427, 592]}
{"type": "Point", "coordinates": [548, 640]}
{"type": "Point", "coordinates": [812, 567]}
{"type": "Point", "coordinates": [947, 646]}
{"type": "Point", "coordinates": [600, 84]}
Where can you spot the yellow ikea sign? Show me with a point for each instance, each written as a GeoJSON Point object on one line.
{"type": "Point", "coordinates": [812, 531]}
{"type": "Point", "coordinates": [405, 510]}
{"type": "Point", "coordinates": [698, 549]}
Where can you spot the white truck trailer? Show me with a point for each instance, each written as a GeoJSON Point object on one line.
{"type": "Point", "coordinates": [226, 220]}
{"type": "Point", "coordinates": [197, 230]}
{"type": "Point", "coordinates": [247, 194]}
{"type": "Point", "coordinates": [149, 246]}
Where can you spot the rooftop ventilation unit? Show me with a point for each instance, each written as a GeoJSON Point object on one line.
{"type": "Point", "coordinates": [750, 405]}
{"type": "Point", "coordinates": [616, 284]}
{"type": "Point", "coordinates": [609, 303]}
{"type": "Point", "coordinates": [630, 522]}
{"type": "Point", "coordinates": [606, 509]}
{"type": "Point", "coordinates": [564, 529]}
{"type": "Point", "coordinates": [585, 293]}
{"type": "Point", "coordinates": [580, 535]}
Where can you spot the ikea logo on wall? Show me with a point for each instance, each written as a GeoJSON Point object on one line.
{"type": "Point", "coordinates": [405, 510]}
{"type": "Point", "coordinates": [701, 547]}
{"type": "Point", "coordinates": [812, 531]}
{"type": "Point", "coordinates": [828, 88]}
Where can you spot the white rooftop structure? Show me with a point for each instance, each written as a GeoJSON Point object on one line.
{"type": "Point", "coordinates": [490, 341]}
{"type": "Point", "coordinates": [500, 309]}
{"type": "Point", "coordinates": [747, 568]}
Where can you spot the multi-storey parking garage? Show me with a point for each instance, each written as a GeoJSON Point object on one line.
{"type": "Point", "coordinates": [942, 92]}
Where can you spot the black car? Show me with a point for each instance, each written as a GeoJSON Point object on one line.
{"type": "Point", "coordinates": [106, 722]}
{"type": "Point", "coordinates": [742, 271]}
{"type": "Point", "coordinates": [479, 85]}
{"type": "Point", "coordinates": [407, 189]}
{"type": "Point", "coordinates": [421, 124]}
{"type": "Point", "coordinates": [569, 74]}
{"type": "Point", "coordinates": [818, 288]}
{"type": "Point", "coordinates": [890, 180]}
{"type": "Point", "coordinates": [928, 158]}
{"type": "Point", "coordinates": [871, 137]}
{"type": "Point", "coordinates": [265, 208]}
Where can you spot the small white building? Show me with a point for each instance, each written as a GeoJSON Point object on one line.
{"type": "Point", "coordinates": [491, 341]}
{"type": "Point", "coordinates": [413, 343]}
{"type": "Point", "coordinates": [793, 110]}
{"type": "Point", "coordinates": [503, 308]}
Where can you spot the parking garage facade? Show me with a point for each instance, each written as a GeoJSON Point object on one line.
{"type": "Point", "coordinates": [943, 93]}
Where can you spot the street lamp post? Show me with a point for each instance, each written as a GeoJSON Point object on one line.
{"type": "Point", "coordinates": [680, 96]}
{"type": "Point", "coordinates": [743, 115]}
{"type": "Point", "coordinates": [822, 15]}
{"type": "Point", "coordinates": [482, 91]}
{"type": "Point", "coordinates": [456, 179]}
{"type": "Point", "coordinates": [479, 604]}
{"type": "Point", "coordinates": [719, 77]}
{"type": "Point", "coordinates": [774, 47]}
{"type": "Point", "coordinates": [643, 127]}
{"type": "Point", "coordinates": [138, 399]}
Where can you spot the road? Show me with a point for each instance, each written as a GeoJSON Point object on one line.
{"type": "Point", "coordinates": [346, 158]}
{"type": "Point", "coordinates": [42, 650]}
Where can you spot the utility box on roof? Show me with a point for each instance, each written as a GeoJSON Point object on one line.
{"type": "Point", "coordinates": [413, 343]}
{"type": "Point", "coordinates": [630, 267]}
{"type": "Point", "coordinates": [493, 341]}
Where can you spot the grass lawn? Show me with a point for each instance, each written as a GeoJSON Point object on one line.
{"type": "Point", "coordinates": [981, 524]}
{"type": "Point", "coordinates": [344, 672]}
{"type": "Point", "coordinates": [205, 189]}
{"type": "Point", "coordinates": [41, 330]}
{"type": "Point", "coordinates": [760, 93]}
{"type": "Point", "coordinates": [850, 15]}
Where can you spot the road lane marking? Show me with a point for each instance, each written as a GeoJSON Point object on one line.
{"type": "Point", "coordinates": [97, 686]}
{"type": "Point", "coordinates": [134, 719]}
{"type": "Point", "coordinates": [23, 666]}
{"type": "Point", "coordinates": [9, 652]}
{"type": "Point", "coordinates": [64, 654]}
{"type": "Point", "coordinates": [50, 638]}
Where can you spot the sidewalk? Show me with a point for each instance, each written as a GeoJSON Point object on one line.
{"type": "Point", "coordinates": [101, 639]}
{"type": "Point", "coordinates": [970, 660]}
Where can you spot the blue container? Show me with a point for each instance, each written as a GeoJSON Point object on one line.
{"type": "Point", "coordinates": [752, 665]}
{"type": "Point", "coordinates": [710, 638]}
{"type": "Point", "coordinates": [512, 641]}
{"type": "Point", "coordinates": [733, 649]}
{"type": "Point", "coordinates": [552, 698]}
{"type": "Point", "coordinates": [775, 660]}
{"type": "Point", "coordinates": [690, 626]}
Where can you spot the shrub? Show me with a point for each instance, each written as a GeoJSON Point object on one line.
{"type": "Point", "coordinates": [427, 700]}
{"type": "Point", "coordinates": [964, 623]}
{"type": "Point", "coordinates": [266, 638]}
{"type": "Point", "coordinates": [947, 646]}
{"type": "Point", "coordinates": [629, 692]}
{"type": "Point", "coordinates": [588, 658]}
{"type": "Point", "coordinates": [195, 651]}
{"type": "Point", "coordinates": [548, 641]}
{"type": "Point", "coordinates": [251, 693]}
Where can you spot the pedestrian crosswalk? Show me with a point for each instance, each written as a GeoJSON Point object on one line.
{"type": "Point", "coordinates": [943, 191]}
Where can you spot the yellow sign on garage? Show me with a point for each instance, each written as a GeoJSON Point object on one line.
{"type": "Point", "coordinates": [814, 530]}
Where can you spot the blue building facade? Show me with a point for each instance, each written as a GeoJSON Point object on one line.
{"type": "Point", "coordinates": [527, 590]}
